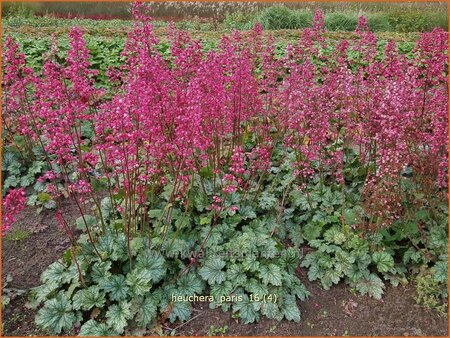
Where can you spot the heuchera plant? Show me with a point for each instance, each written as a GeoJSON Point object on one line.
{"type": "Point", "coordinates": [12, 205]}
{"type": "Point", "coordinates": [186, 144]}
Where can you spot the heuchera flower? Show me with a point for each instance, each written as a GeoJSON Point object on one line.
{"type": "Point", "coordinates": [221, 113]}
{"type": "Point", "coordinates": [12, 205]}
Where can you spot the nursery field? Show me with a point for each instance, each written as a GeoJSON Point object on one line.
{"type": "Point", "coordinates": [186, 179]}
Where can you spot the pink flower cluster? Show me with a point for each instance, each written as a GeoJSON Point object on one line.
{"type": "Point", "coordinates": [169, 119]}
{"type": "Point", "coordinates": [12, 205]}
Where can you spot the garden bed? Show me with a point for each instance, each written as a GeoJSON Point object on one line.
{"type": "Point", "coordinates": [273, 179]}
{"type": "Point", "coordinates": [335, 312]}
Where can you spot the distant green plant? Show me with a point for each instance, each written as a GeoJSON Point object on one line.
{"type": "Point", "coordinates": [417, 21]}
{"type": "Point", "coordinates": [281, 17]}
{"type": "Point", "coordinates": [8, 293]}
{"type": "Point", "coordinates": [86, 9]}
{"type": "Point", "coordinates": [408, 21]}
{"type": "Point", "coordinates": [19, 170]}
{"type": "Point", "coordinates": [303, 19]}
{"type": "Point", "coordinates": [337, 21]}
{"type": "Point", "coordinates": [17, 234]}
{"type": "Point", "coordinates": [439, 20]}
{"type": "Point", "coordinates": [19, 9]}
{"type": "Point", "coordinates": [379, 23]}
{"type": "Point", "coordinates": [213, 331]}
{"type": "Point", "coordinates": [239, 20]}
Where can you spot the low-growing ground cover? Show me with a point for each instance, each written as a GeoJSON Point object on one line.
{"type": "Point", "coordinates": [337, 311]}
{"type": "Point", "coordinates": [223, 171]}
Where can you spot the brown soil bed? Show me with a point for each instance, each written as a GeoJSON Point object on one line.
{"type": "Point", "coordinates": [334, 312]}
{"type": "Point", "coordinates": [26, 259]}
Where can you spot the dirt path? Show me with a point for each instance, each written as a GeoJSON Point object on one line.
{"type": "Point", "coordinates": [334, 312]}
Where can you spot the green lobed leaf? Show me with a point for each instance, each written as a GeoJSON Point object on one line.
{"type": "Point", "coordinates": [236, 274]}
{"type": "Point", "coordinates": [247, 310]}
{"type": "Point", "coordinates": [267, 201]}
{"type": "Point", "coordinates": [85, 220]}
{"type": "Point", "coordinates": [100, 271]}
{"type": "Point", "coordinates": [139, 281]}
{"type": "Point", "coordinates": [181, 311]}
{"type": "Point", "coordinates": [221, 290]}
{"type": "Point", "coordinates": [92, 328]}
{"type": "Point", "coordinates": [290, 309]}
{"type": "Point", "coordinates": [57, 314]}
{"type": "Point", "coordinates": [372, 285]}
{"type": "Point", "coordinates": [250, 263]}
{"type": "Point", "coordinates": [145, 309]}
{"type": "Point", "coordinates": [440, 270]}
{"type": "Point", "coordinates": [383, 260]}
{"type": "Point", "coordinates": [118, 316]}
{"type": "Point", "coordinates": [55, 272]}
{"type": "Point", "coordinates": [290, 259]}
{"type": "Point", "coordinates": [189, 284]}
{"type": "Point", "coordinates": [116, 287]}
{"type": "Point", "coordinates": [270, 274]}
{"type": "Point", "coordinates": [314, 272]}
{"type": "Point", "coordinates": [88, 298]}
{"type": "Point", "coordinates": [335, 236]}
{"type": "Point", "coordinates": [212, 271]}
{"type": "Point", "coordinates": [271, 311]}
{"type": "Point", "coordinates": [344, 262]}
{"type": "Point", "coordinates": [44, 290]}
{"type": "Point", "coordinates": [154, 263]}
{"type": "Point", "coordinates": [256, 287]}
{"type": "Point", "coordinates": [329, 278]}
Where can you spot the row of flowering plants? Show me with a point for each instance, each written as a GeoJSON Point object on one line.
{"type": "Point", "coordinates": [209, 173]}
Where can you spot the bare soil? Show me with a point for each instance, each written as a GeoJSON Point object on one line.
{"type": "Point", "coordinates": [26, 259]}
{"type": "Point", "coordinates": [338, 311]}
